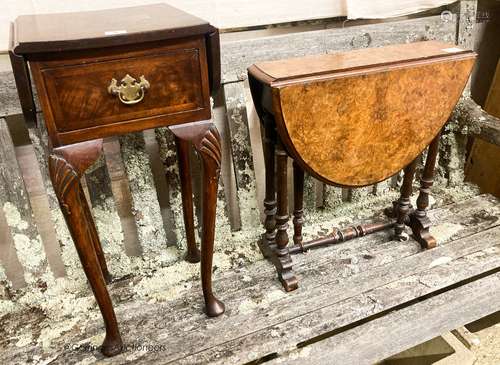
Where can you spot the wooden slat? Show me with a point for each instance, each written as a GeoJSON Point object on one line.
{"type": "Point", "coordinates": [236, 56]}
{"type": "Point", "coordinates": [320, 313]}
{"type": "Point", "coordinates": [17, 209]}
{"type": "Point", "coordinates": [9, 101]}
{"type": "Point", "coordinates": [6, 246]}
{"type": "Point", "coordinates": [39, 140]}
{"type": "Point", "coordinates": [4, 285]}
{"type": "Point", "coordinates": [227, 173]}
{"type": "Point", "coordinates": [145, 207]}
{"type": "Point", "coordinates": [241, 151]}
{"type": "Point", "coordinates": [352, 272]}
{"type": "Point", "coordinates": [337, 278]}
{"type": "Point", "coordinates": [403, 328]}
{"type": "Point", "coordinates": [106, 218]}
{"type": "Point", "coordinates": [222, 13]}
{"type": "Point", "coordinates": [174, 219]}
{"type": "Point", "coordinates": [347, 270]}
{"type": "Point", "coordinates": [466, 21]}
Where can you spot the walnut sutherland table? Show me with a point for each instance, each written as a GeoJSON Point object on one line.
{"type": "Point", "coordinates": [111, 72]}
{"type": "Point", "coordinates": [353, 119]}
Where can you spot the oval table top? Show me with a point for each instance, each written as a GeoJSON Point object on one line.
{"type": "Point", "coordinates": [364, 121]}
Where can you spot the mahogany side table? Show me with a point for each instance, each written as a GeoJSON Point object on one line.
{"type": "Point", "coordinates": [110, 72]}
{"type": "Point", "coordinates": [353, 119]}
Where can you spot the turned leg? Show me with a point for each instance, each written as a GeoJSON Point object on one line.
{"type": "Point", "coordinates": [284, 261]}
{"type": "Point", "coordinates": [67, 165]}
{"type": "Point", "coordinates": [269, 237]}
{"type": "Point", "coordinates": [206, 141]}
{"type": "Point", "coordinates": [298, 204]}
{"type": "Point", "coordinates": [419, 222]}
{"type": "Point", "coordinates": [403, 205]}
{"type": "Point", "coordinates": [193, 254]}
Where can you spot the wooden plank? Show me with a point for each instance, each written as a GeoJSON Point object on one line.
{"type": "Point", "coordinates": [345, 274]}
{"type": "Point", "coordinates": [17, 209]}
{"type": "Point", "coordinates": [39, 140]}
{"type": "Point", "coordinates": [241, 151]}
{"type": "Point", "coordinates": [483, 163]}
{"type": "Point", "coordinates": [319, 313]}
{"type": "Point", "coordinates": [483, 166]}
{"type": "Point", "coordinates": [9, 100]}
{"type": "Point", "coordinates": [174, 217]}
{"type": "Point", "coordinates": [106, 218]}
{"type": "Point", "coordinates": [478, 123]}
{"type": "Point", "coordinates": [227, 173]}
{"type": "Point", "coordinates": [145, 207]}
{"type": "Point", "coordinates": [466, 11]}
{"type": "Point", "coordinates": [236, 56]}
{"type": "Point", "coordinates": [4, 285]}
{"type": "Point", "coordinates": [254, 297]}
{"type": "Point", "coordinates": [222, 13]}
{"type": "Point", "coordinates": [403, 328]}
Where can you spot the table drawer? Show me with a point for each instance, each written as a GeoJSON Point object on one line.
{"type": "Point", "coordinates": [164, 81]}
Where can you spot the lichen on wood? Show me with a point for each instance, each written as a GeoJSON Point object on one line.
{"type": "Point", "coordinates": [106, 218]}
{"type": "Point", "coordinates": [146, 210]}
{"type": "Point", "coordinates": [167, 149]}
{"type": "Point", "coordinates": [16, 207]}
{"type": "Point", "coordinates": [39, 140]}
{"type": "Point", "coordinates": [241, 152]}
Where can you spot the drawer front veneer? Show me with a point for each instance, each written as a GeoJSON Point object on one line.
{"type": "Point", "coordinates": [82, 107]}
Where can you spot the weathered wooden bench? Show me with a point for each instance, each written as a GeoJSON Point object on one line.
{"type": "Point", "coordinates": [358, 303]}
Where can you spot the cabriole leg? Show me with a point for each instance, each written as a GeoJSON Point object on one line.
{"type": "Point", "coordinates": [206, 140]}
{"type": "Point", "coordinates": [66, 166]}
{"type": "Point", "coordinates": [193, 254]}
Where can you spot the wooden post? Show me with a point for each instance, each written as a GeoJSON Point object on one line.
{"type": "Point", "coordinates": [453, 148]}
{"type": "Point", "coordinates": [17, 209]}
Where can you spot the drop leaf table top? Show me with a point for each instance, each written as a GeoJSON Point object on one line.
{"type": "Point", "coordinates": [358, 117]}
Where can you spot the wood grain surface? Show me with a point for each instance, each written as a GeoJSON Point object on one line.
{"type": "Point", "coordinates": [77, 105]}
{"type": "Point", "coordinates": [103, 28]}
{"type": "Point", "coordinates": [359, 130]}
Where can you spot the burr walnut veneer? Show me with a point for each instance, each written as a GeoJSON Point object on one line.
{"type": "Point", "coordinates": [353, 119]}
{"type": "Point", "coordinates": [111, 72]}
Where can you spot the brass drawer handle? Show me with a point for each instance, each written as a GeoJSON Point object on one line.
{"type": "Point", "coordinates": [129, 91]}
